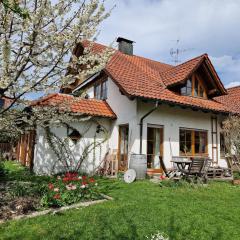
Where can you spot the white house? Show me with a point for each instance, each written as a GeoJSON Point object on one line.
{"type": "Point", "coordinates": [148, 107]}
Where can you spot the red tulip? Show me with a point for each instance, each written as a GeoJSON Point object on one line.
{"type": "Point", "coordinates": [50, 186]}
{"type": "Point", "coordinates": [57, 196]}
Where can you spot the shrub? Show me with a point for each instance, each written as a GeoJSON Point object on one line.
{"type": "Point", "coordinates": [2, 170]}
{"type": "Point", "coordinates": [69, 189]}
{"type": "Point", "coordinates": [21, 189]}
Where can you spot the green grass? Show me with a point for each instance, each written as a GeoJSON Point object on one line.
{"type": "Point", "coordinates": [16, 172]}
{"type": "Point", "coordinates": [140, 209]}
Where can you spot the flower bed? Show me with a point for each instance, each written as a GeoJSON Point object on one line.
{"type": "Point", "coordinates": [70, 188]}
{"type": "Point", "coordinates": [23, 193]}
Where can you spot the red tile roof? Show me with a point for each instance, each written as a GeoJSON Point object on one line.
{"type": "Point", "coordinates": [231, 100]}
{"type": "Point", "coordinates": [182, 71]}
{"type": "Point", "coordinates": [140, 77]}
{"type": "Point", "coordinates": [77, 105]}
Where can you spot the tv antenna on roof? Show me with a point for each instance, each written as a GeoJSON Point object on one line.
{"type": "Point", "coordinates": [176, 52]}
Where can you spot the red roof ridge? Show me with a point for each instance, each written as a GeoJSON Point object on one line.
{"type": "Point", "coordinates": [192, 59]}
{"type": "Point", "coordinates": [134, 55]}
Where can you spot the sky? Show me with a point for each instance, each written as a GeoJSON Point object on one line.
{"type": "Point", "coordinates": [192, 26]}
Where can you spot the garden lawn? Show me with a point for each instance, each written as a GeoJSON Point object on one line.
{"type": "Point", "coordinates": [140, 209]}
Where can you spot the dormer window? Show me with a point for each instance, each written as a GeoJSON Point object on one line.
{"type": "Point", "coordinates": [100, 90]}
{"type": "Point", "coordinates": [187, 89]}
{"type": "Point", "coordinates": [194, 87]}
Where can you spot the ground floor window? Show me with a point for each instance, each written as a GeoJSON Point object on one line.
{"type": "Point", "coordinates": [154, 145]}
{"type": "Point", "coordinates": [193, 142]}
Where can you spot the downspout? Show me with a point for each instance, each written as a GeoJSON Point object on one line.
{"type": "Point", "coordinates": [141, 123]}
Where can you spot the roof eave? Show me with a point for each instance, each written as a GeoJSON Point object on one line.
{"type": "Point", "coordinates": [188, 106]}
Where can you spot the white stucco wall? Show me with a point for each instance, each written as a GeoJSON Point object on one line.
{"type": "Point", "coordinates": [126, 111]}
{"type": "Point", "coordinates": [172, 119]}
{"type": "Point", "coordinates": [45, 161]}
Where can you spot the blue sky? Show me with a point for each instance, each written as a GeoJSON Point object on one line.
{"type": "Point", "coordinates": [202, 26]}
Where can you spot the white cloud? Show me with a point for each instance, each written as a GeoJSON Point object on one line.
{"type": "Point", "coordinates": [232, 84]}
{"type": "Point", "coordinates": [202, 26]}
{"type": "Point", "coordinates": [228, 68]}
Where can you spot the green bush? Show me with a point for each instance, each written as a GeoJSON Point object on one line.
{"type": "Point", "coordinates": [21, 189]}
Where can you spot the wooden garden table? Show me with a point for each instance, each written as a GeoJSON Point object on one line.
{"type": "Point", "coordinates": [182, 163]}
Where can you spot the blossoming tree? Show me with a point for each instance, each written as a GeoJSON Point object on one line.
{"type": "Point", "coordinates": [13, 5]}
{"type": "Point", "coordinates": [35, 51]}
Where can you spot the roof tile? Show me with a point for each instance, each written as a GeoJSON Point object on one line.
{"type": "Point", "coordinates": [76, 105]}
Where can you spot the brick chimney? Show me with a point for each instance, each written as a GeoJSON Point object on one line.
{"type": "Point", "coordinates": [125, 45]}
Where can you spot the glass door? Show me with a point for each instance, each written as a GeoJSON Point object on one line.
{"type": "Point", "coordinates": [154, 146]}
{"type": "Point", "coordinates": [123, 148]}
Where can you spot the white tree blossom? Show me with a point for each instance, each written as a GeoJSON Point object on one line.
{"type": "Point", "coordinates": [35, 51]}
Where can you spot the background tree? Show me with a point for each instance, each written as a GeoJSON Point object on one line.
{"type": "Point", "coordinates": [35, 51]}
{"type": "Point", "coordinates": [231, 128]}
{"type": "Point", "coordinates": [13, 5]}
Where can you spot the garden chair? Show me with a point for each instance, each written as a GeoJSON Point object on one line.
{"type": "Point", "coordinates": [197, 170]}
{"type": "Point", "coordinates": [170, 172]}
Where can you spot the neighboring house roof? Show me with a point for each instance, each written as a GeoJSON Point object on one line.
{"type": "Point", "coordinates": [92, 107]}
{"type": "Point", "coordinates": [140, 77]}
{"type": "Point", "coordinates": [232, 99]}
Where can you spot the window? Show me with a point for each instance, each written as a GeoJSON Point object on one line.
{"type": "Point", "coordinates": [193, 142]}
{"type": "Point", "coordinates": [194, 87]}
{"type": "Point", "coordinates": [100, 90]}
{"type": "Point", "coordinates": [187, 89]}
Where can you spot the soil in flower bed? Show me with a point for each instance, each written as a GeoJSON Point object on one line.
{"type": "Point", "coordinates": [11, 206]}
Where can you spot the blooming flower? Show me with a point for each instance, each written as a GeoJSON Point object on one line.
{"type": "Point", "coordinates": [71, 187]}
{"type": "Point", "coordinates": [83, 186]}
{"type": "Point", "coordinates": [84, 183]}
{"type": "Point", "coordinates": [91, 180]}
{"type": "Point", "coordinates": [56, 189]}
{"type": "Point", "coordinates": [162, 177]}
{"type": "Point", "coordinates": [84, 177]}
{"type": "Point", "coordinates": [58, 177]}
{"type": "Point", "coordinates": [57, 196]}
{"type": "Point", "coordinates": [50, 186]}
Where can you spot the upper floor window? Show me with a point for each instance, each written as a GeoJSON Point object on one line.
{"type": "Point", "coordinates": [187, 89]}
{"type": "Point", "coordinates": [100, 90]}
{"type": "Point", "coordinates": [194, 87]}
